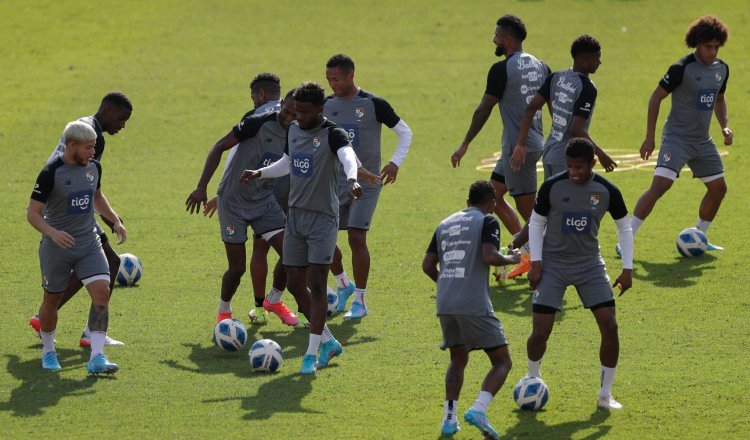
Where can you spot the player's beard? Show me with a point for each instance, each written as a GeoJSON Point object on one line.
{"type": "Point", "coordinates": [499, 51]}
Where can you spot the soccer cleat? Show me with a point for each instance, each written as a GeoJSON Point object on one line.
{"type": "Point", "coordinates": [618, 250]}
{"type": "Point", "coordinates": [713, 247]}
{"type": "Point", "coordinates": [522, 267]}
{"type": "Point", "coordinates": [86, 341]}
{"type": "Point", "coordinates": [501, 275]}
{"type": "Point", "coordinates": [344, 293]}
{"type": "Point", "coordinates": [358, 311]}
{"type": "Point", "coordinates": [50, 362]}
{"type": "Point", "coordinates": [475, 418]}
{"type": "Point", "coordinates": [222, 316]}
{"type": "Point", "coordinates": [303, 322]}
{"type": "Point", "coordinates": [280, 309]}
{"type": "Point", "coordinates": [309, 364]}
{"type": "Point", "coordinates": [328, 350]}
{"type": "Point", "coordinates": [608, 402]}
{"type": "Point", "coordinates": [449, 428]}
{"type": "Point", "coordinates": [258, 316]}
{"type": "Point", "coordinates": [36, 325]}
{"type": "Point", "coordinates": [101, 365]}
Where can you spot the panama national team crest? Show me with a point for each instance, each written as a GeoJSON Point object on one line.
{"type": "Point", "coordinates": [359, 112]}
{"type": "Point", "coordinates": [46, 280]}
{"type": "Point", "coordinates": [667, 157]}
{"type": "Point", "coordinates": [90, 176]}
{"type": "Point", "coordinates": [316, 142]}
{"type": "Point", "coordinates": [594, 200]}
{"type": "Point", "coordinates": [717, 76]}
{"type": "Point", "coordinates": [230, 230]}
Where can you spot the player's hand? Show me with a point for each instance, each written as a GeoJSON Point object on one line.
{"type": "Point", "coordinates": [367, 176]}
{"type": "Point", "coordinates": [249, 175]}
{"type": "Point", "coordinates": [606, 161]}
{"type": "Point", "coordinates": [647, 148]}
{"type": "Point", "coordinates": [728, 136]}
{"type": "Point", "coordinates": [624, 281]}
{"type": "Point", "coordinates": [194, 200]}
{"type": "Point", "coordinates": [388, 173]}
{"type": "Point", "coordinates": [63, 239]}
{"type": "Point", "coordinates": [109, 224]}
{"type": "Point", "coordinates": [120, 231]}
{"type": "Point", "coordinates": [514, 256]}
{"type": "Point", "coordinates": [354, 190]}
{"type": "Point", "coordinates": [518, 158]}
{"type": "Point", "coordinates": [534, 274]}
{"type": "Point", "coordinates": [210, 207]}
{"type": "Point", "coordinates": [456, 157]}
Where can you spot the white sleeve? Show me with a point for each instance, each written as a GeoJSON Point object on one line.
{"type": "Point", "coordinates": [277, 169]}
{"type": "Point", "coordinates": [349, 160]}
{"type": "Point", "coordinates": [537, 223]}
{"type": "Point", "coordinates": [625, 236]}
{"type": "Point", "coordinates": [404, 141]}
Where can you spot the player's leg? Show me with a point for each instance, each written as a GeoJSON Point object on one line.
{"type": "Point", "coordinates": [522, 186]}
{"type": "Point", "coordinates": [233, 225]}
{"type": "Point", "coordinates": [98, 288]}
{"type": "Point", "coordinates": [113, 262]}
{"type": "Point", "coordinates": [454, 380]}
{"type": "Point", "coordinates": [56, 265]}
{"type": "Point", "coordinates": [361, 269]}
{"type": "Point", "coordinates": [707, 166]}
{"type": "Point", "coordinates": [546, 302]}
{"type": "Point", "coordinates": [609, 352]}
{"type": "Point", "coordinates": [503, 210]}
{"type": "Point", "coordinates": [258, 273]}
{"type": "Point", "coordinates": [661, 183]}
{"type": "Point", "coordinates": [48, 324]}
{"type": "Point", "coordinates": [344, 286]}
{"type": "Point", "coordinates": [273, 302]}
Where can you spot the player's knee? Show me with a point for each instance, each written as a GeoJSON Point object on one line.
{"type": "Point", "coordinates": [114, 262]}
{"type": "Point", "coordinates": [718, 190]}
{"type": "Point", "coordinates": [540, 333]}
{"type": "Point", "coordinates": [236, 270]}
{"type": "Point", "coordinates": [357, 238]}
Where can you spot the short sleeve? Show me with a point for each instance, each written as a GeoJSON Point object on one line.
{"type": "Point", "coordinates": [617, 208]}
{"type": "Point", "coordinates": [337, 138]}
{"type": "Point", "coordinates": [491, 231]}
{"type": "Point", "coordinates": [44, 184]}
{"type": "Point", "coordinates": [585, 102]}
{"type": "Point", "coordinates": [248, 127]}
{"type": "Point", "coordinates": [545, 90]}
{"type": "Point", "coordinates": [724, 84]}
{"type": "Point", "coordinates": [497, 78]}
{"type": "Point", "coordinates": [432, 248]}
{"type": "Point", "coordinates": [542, 205]}
{"type": "Point", "coordinates": [673, 78]}
{"type": "Point", "coordinates": [384, 113]}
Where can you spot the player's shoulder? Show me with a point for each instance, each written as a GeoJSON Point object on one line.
{"type": "Point", "coordinates": [554, 180]}
{"type": "Point", "coordinates": [500, 65]}
{"type": "Point", "coordinates": [601, 180]}
{"type": "Point", "coordinates": [586, 80]}
{"type": "Point", "coordinates": [52, 166]}
{"type": "Point", "coordinates": [329, 97]}
{"type": "Point", "coordinates": [331, 127]}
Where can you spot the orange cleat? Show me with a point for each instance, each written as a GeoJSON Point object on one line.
{"type": "Point", "coordinates": [222, 316]}
{"type": "Point", "coordinates": [280, 309]}
{"type": "Point", "coordinates": [522, 267]}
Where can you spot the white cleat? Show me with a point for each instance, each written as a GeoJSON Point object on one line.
{"type": "Point", "coordinates": [86, 341]}
{"type": "Point", "coordinates": [608, 402]}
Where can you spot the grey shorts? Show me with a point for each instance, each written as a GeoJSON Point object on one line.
{"type": "Point", "coordinates": [281, 192]}
{"type": "Point", "coordinates": [518, 182]}
{"type": "Point", "coordinates": [358, 214]}
{"type": "Point", "coordinates": [475, 332]}
{"type": "Point", "coordinates": [702, 157]}
{"type": "Point", "coordinates": [263, 217]}
{"type": "Point", "coordinates": [86, 260]}
{"type": "Point", "coordinates": [551, 170]}
{"type": "Point", "coordinates": [309, 238]}
{"type": "Point", "coordinates": [591, 282]}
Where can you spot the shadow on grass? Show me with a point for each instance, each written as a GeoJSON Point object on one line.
{"type": "Point", "coordinates": [679, 272]}
{"type": "Point", "coordinates": [516, 300]}
{"type": "Point", "coordinates": [40, 388]}
{"type": "Point", "coordinates": [529, 426]}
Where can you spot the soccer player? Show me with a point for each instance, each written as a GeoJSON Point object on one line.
{"type": "Point", "coordinates": [570, 205]}
{"type": "Point", "coordinates": [697, 83]}
{"type": "Point", "coordinates": [261, 138]}
{"type": "Point", "coordinates": [61, 209]}
{"type": "Point", "coordinates": [315, 148]}
{"type": "Point", "coordinates": [464, 245]}
{"type": "Point", "coordinates": [114, 111]}
{"type": "Point", "coordinates": [362, 115]}
{"type": "Point", "coordinates": [511, 84]}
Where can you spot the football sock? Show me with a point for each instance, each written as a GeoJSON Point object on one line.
{"type": "Point", "coordinates": [482, 402]}
{"type": "Point", "coordinates": [359, 295]}
{"type": "Point", "coordinates": [327, 335]}
{"type": "Point", "coordinates": [225, 306]}
{"type": "Point", "coordinates": [48, 342]}
{"type": "Point", "coordinates": [97, 343]}
{"type": "Point", "coordinates": [451, 407]}
{"type": "Point", "coordinates": [86, 331]}
{"type": "Point", "coordinates": [608, 376]}
{"type": "Point", "coordinates": [274, 295]}
{"type": "Point", "coordinates": [259, 302]}
{"type": "Point", "coordinates": [534, 368]}
{"type": "Point", "coordinates": [525, 248]}
{"type": "Point", "coordinates": [703, 225]}
{"type": "Point", "coordinates": [314, 344]}
{"type": "Point", "coordinates": [341, 280]}
{"type": "Point", "coordinates": [635, 223]}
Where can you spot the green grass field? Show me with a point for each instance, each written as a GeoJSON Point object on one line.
{"type": "Point", "coordinates": [186, 66]}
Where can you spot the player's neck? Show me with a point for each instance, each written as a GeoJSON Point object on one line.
{"type": "Point", "coordinates": [351, 92]}
{"type": "Point", "coordinates": [509, 53]}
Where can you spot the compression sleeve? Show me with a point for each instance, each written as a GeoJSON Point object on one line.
{"type": "Point", "coordinates": [404, 141]}
{"type": "Point", "coordinates": [537, 223]}
{"type": "Point", "coordinates": [348, 159]}
{"type": "Point", "coordinates": [277, 169]}
{"type": "Point", "coordinates": [625, 236]}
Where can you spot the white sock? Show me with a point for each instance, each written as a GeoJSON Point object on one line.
{"type": "Point", "coordinates": [703, 225]}
{"type": "Point", "coordinates": [314, 344]}
{"type": "Point", "coordinates": [608, 376]}
{"type": "Point", "coordinates": [635, 223]}
{"type": "Point", "coordinates": [86, 330]}
{"type": "Point", "coordinates": [97, 343]}
{"type": "Point", "coordinates": [451, 408]}
{"type": "Point", "coordinates": [482, 402]}
{"type": "Point", "coordinates": [48, 342]}
{"type": "Point", "coordinates": [359, 295]}
{"type": "Point", "coordinates": [274, 295]}
{"type": "Point", "coordinates": [534, 367]}
{"type": "Point", "coordinates": [327, 334]}
{"type": "Point", "coordinates": [225, 306]}
{"type": "Point", "coordinates": [525, 249]}
{"type": "Point", "coordinates": [341, 280]}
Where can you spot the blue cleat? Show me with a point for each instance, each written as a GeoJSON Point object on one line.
{"type": "Point", "coordinates": [449, 428]}
{"type": "Point", "coordinates": [101, 365]}
{"type": "Point", "coordinates": [309, 364]}
{"type": "Point", "coordinates": [475, 418]}
{"type": "Point", "coordinates": [50, 362]}
{"type": "Point", "coordinates": [344, 293]}
{"type": "Point", "coordinates": [713, 247]}
{"type": "Point", "coordinates": [328, 350]}
{"type": "Point", "coordinates": [618, 250]}
{"type": "Point", "coordinates": [358, 311]}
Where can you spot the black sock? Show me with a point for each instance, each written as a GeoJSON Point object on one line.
{"type": "Point", "coordinates": [259, 302]}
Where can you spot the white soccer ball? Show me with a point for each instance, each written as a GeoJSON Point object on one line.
{"type": "Point", "coordinates": [265, 355]}
{"type": "Point", "coordinates": [130, 270]}
{"type": "Point", "coordinates": [531, 393]}
{"type": "Point", "coordinates": [333, 301]}
{"type": "Point", "coordinates": [691, 242]}
{"type": "Point", "coordinates": [230, 334]}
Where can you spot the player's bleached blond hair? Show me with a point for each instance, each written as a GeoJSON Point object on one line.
{"type": "Point", "coordinates": [78, 132]}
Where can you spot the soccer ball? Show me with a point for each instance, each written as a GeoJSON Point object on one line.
{"type": "Point", "coordinates": [692, 242]}
{"type": "Point", "coordinates": [130, 270]}
{"type": "Point", "coordinates": [265, 355]}
{"type": "Point", "coordinates": [230, 334]}
{"type": "Point", "coordinates": [333, 301]}
{"type": "Point", "coordinates": [531, 393]}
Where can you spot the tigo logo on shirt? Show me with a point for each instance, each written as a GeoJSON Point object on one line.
{"type": "Point", "coordinates": [576, 222]}
{"type": "Point", "coordinates": [79, 202]}
{"type": "Point", "coordinates": [267, 159]}
{"type": "Point", "coordinates": [302, 164]}
{"type": "Point", "coordinates": [352, 130]}
{"type": "Point", "coordinates": [705, 100]}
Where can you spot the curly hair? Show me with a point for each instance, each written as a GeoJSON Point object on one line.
{"type": "Point", "coordinates": [584, 44]}
{"type": "Point", "coordinates": [311, 92]}
{"type": "Point", "coordinates": [342, 61]}
{"type": "Point", "coordinates": [706, 29]}
{"type": "Point", "coordinates": [266, 81]}
{"type": "Point", "coordinates": [580, 148]}
{"type": "Point", "coordinates": [514, 25]}
{"type": "Point", "coordinates": [117, 99]}
{"type": "Point", "coordinates": [481, 191]}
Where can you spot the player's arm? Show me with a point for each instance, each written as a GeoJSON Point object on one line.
{"type": "Point", "coordinates": [198, 196]}
{"type": "Point", "coordinates": [102, 206]}
{"type": "Point", "coordinates": [519, 151]}
{"type": "Point", "coordinates": [491, 242]}
{"type": "Point", "coordinates": [280, 168]}
{"type": "Point", "coordinates": [619, 213]}
{"type": "Point", "coordinates": [478, 119]}
{"type": "Point", "coordinates": [36, 219]}
{"type": "Point", "coordinates": [577, 129]}
{"type": "Point", "coordinates": [720, 110]}
{"type": "Point", "coordinates": [536, 226]}
{"type": "Point", "coordinates": [348, 159]}
{"type": "Point", "coordinates": [390, 170]}
{"type": "Point", "coordinates": [654, 103]}
{"type": "Point", "coordinates": [431, 260]}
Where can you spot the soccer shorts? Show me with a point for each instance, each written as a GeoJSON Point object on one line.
{"type": "Point", "coordinates": [86, 260]}
{"type": "Point", "coordinates": [359, 213]}
{"type": "Point", "coordinates": [475, 332]}
{"type": "Point", "coordinates": [701, 157]}
{"type": "Point", "coordinates": [262, 217]}
{"type": "Point", "coordinates": [309, 238]}
{"type": "Point", "coordinates": [552, 170]}
{"type": "Point", "coordinates": [518, 182]}
{"type": "Point", "coordinates": [591, 282]}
